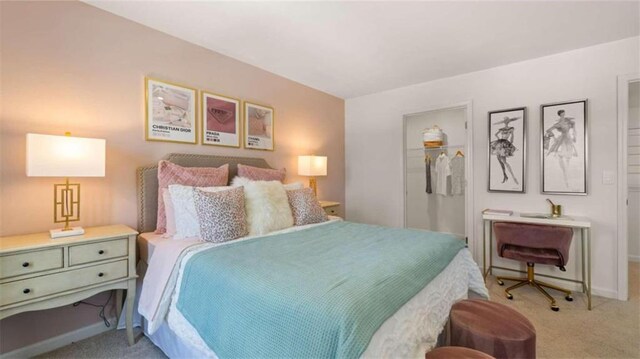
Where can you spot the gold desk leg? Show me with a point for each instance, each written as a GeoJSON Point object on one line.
{"type": "Point", "coordinates": [587, 231]}
{"type": "Point", "coordinates": [484, 249]}
{"type": "Point", "coordinates": [491, 247]}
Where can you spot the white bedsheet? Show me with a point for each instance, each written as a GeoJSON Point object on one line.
{"type": "Point", "coordinates": [410, 332]}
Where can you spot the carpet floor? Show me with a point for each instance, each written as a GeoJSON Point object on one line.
{"type": "Point", "coordinates": [610, 330]}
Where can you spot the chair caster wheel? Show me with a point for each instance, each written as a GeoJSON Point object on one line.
{"type": "Point", "coordinates": [569, 298]}
{"type": "Point", "coordinates": [500, 282]}
{"type": "Point", "coordinates": [509, 296]}
{"type": "Point", "coordinates": [555, 308]}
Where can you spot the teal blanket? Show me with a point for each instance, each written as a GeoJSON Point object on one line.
{"type": "Point", "coordinates": [321, 292]}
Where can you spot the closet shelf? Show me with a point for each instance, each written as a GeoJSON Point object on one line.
{"type": "Point", "coordinates": [434, 148]}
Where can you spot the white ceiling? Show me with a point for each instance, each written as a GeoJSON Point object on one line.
{"type": "Point", "coordinates": [350, 49]}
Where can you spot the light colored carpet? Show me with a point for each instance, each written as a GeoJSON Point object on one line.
{"type": "Point", "coordinates": [610, 330]}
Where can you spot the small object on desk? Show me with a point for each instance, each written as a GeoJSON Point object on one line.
{"type": "Point", "coordinates": [498, 212]}
{"type": "Point", "coordinates": [556, 209]}
{"type": "Point", "coordinates": [330, 207]}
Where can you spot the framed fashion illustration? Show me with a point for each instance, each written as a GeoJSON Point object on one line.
{"type": "Point", "coordinates": [220, 120]}
{"type": "Point", "coordinates": [258, 127]}
{"type": "Point", "coordinates": [171, 112]}
{"type": "Point", "coordinates": [564, 148]}
{"type": "Point", "coordinates": [507, 150]}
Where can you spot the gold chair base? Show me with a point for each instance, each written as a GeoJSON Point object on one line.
{"type": "Point", "coordinates": [530, 280]}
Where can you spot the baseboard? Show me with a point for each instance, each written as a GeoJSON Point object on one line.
{"type": "Point", "coordinates": [633, 258]}
{"type": "Point", "coordinates": [59, 341]}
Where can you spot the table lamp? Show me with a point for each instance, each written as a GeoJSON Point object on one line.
{"type": "Point", "coordinates": [312, 166]}
{"type": "Point", "coordinates": [65, 156]}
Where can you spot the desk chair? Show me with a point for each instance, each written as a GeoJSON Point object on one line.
{"type": "Point", "coordinates": [533, 244]}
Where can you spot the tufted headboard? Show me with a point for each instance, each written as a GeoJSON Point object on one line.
{"type": "Point", "coordinates": [147, 181]}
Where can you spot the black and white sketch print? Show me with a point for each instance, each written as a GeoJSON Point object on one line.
{"type": "Point", "coordinates": [507, 150]}
{"type": "Point", "coordinates": [564, 148]}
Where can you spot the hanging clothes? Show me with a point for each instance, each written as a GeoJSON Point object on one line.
{"type": "Point", "coordinates": [427, 165]}
{"type": "Point", "coordinates": [457, 175]}
{"type": "Point", "coordinates": [443, 170]}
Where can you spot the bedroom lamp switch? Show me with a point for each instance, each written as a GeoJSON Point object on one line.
{"type": "Point", "coordinates": [608, 177]}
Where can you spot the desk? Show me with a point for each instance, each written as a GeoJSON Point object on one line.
{"type": "Point", "coordinates": [583, 224]}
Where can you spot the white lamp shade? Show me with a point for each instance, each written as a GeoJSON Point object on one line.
{"type": "Point", "coordinates": [312, 165]}
{"type": "Point", "coordinates": [65, 156]}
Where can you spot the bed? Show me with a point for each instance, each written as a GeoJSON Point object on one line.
{"type": "Point", "coordinates": [266, 316]}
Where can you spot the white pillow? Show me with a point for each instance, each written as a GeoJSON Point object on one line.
{"type": "Point", "coordinates": [184, 209]}
{"type": "Point", "coordinates": [168, 210]}
{"type": "Point", "coordinates": [266, 205]}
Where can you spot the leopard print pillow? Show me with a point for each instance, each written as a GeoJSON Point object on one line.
{"type": "Point", "coordinates": [305, 207]}
{"type": "Point", "coordinates": [221, 214]}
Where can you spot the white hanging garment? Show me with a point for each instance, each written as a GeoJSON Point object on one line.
{"type": "Point", "coordinates": [442, 170]}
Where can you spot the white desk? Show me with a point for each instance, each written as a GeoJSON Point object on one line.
{"type": "Point", "coordinates": [581, 223]}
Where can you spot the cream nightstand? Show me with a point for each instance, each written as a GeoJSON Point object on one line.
{"type": "Point", "coordinates": [330, 207]}
{"type": "Point", "coordinates": [37, 272]}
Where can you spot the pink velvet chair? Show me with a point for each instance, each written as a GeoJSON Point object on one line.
{"type": "Point", "coordinates": [533, 244]}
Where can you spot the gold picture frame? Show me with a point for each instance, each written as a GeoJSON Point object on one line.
{"type": "Point", "coordinates": [215, 120]}
{"type": "Point", "coordinates": [259, 126]}
{"type": "Point", "coordinates": [171, 115]}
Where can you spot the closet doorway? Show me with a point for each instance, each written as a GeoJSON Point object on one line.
{"type": "Point", "coordinates": [437, 182]}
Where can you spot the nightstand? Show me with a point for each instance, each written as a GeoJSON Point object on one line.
{"type": "Point", "coordinates": [330, 207]}
{"type": "Point", "coordinates": [37, 272]}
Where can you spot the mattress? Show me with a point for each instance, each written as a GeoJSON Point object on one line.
{"type": "Point", "coordinates": [409, 333]}
{"type": "Point", "coordinates": [147, 242]}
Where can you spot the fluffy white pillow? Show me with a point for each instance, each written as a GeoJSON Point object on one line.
{"type": "Point", "coordinates": [184, 209]}
{"type": "Point", "coordinates": [266, 205]}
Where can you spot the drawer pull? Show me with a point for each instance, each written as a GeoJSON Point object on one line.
{"type": "Point", "coordinates": [100, 274]}
{"type": "Point", "coordinates": [25, 264]}
{"type": "Point", "coordinates": [101, 252]}
{"type": "Point", "coordinates": [26, 291]}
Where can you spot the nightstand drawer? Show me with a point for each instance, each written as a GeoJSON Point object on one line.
{"type": "Point", "coordinates": [31, 262]}
{"type": "Point", "coordinates": [332, 211]}
{"type": "Point", "coordinates": [87, 253]}
{"type": "Point", "coordinates": [32, 288]}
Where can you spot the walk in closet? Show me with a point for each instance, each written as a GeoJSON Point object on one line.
{"type": "Point", "coordinates": [436, 170]}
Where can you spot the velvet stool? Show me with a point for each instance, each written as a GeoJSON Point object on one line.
{"type": "Point", "coordinates": [492, 328]}
{"type": "Point", "coordinates": [456, 353]}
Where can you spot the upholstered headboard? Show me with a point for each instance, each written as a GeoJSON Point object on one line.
{"type": "Point", "coordinates": [148, 181]}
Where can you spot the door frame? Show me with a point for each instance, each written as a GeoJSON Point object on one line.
{"type": "Point", "coordinates": [624, 82]}
{"type": "Point", "coordinates": [468, 154]}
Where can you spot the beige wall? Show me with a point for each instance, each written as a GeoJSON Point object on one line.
{"type": "Point", "coordinates": [67, 66]}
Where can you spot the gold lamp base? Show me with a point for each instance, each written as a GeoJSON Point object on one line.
{"type": "Point", "coordinates": [66, 208]}
{"type": "Point", "coordinates": [313, 185]}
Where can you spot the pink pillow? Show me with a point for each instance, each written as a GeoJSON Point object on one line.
{"type": "Point", "coordinates": [170, 173]}
{"type": "Point", "coordinates": [305, 207]}
{"type": "Point", "coordinates": [261, 174]}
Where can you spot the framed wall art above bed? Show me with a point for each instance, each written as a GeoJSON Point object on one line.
{"type": "Point", "coordinates": [220, 120]}
{"type": "Point", "coordinates": [507, 150]}
{"type": "Point", "coordinates": [258, 127]}
{"type": "Point", "coordinates": [170, 112]}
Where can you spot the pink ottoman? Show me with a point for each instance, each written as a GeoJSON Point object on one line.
{"type": "Point", "coordinates": [456, 353]}
{"type": "Point", "coordinates": [492, 328]}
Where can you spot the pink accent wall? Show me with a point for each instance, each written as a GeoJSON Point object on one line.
{"type": "Point", "coordinates": [67, 66]}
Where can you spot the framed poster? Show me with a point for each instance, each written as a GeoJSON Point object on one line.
{"type": "Point", "coordinates": [564, 155]}
{"type": "Point", "coordinates": [220, 120]}
{"type": "Point", "coordinates": [507, 150]}
{"type": "Point", "coordinates": [170, 112]}
{"type": "Point", "coordinates": [258, 127]}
